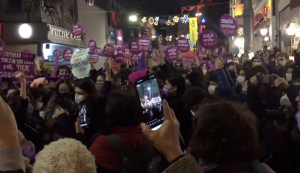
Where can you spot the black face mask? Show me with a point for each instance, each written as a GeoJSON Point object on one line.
{"type": "Point", "coordinates": [67, 96]}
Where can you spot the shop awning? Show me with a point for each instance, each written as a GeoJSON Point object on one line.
{"type": "Point", "coordinates": [294, 4]}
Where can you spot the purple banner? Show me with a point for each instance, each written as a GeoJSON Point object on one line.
{"type": "Point", "coordinates": [172, 53]}
{"type": "Point", "coordinates": [183, 44]}
{"type": "Point", "coordinates": [92, 45]}
{"type": "Point", "coordinates": [144, 43]}
{"type": "Point", "coordinates": [2, 47]}
{"type": "Point", "coordinates": [98, 51]}
{"type": "Point", "coordinates": [109, 50]}
{"type": "Point", "coordinates": [94, 58]}
{"type": "Point", "coordinates": [228, 25]}
{"type": "Point", "coordinates": [208, 39]}
{"type": "Point", "coordinates": [11, 62]}
{"type": "Point", "coordinates": [77, 30]}
{"type": "Point", "coordinates": [134, 46]}
{"type": "Point", "coordinates": [67, 54]}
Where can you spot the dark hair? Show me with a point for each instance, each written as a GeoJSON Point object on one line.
{"type": "Point", "coordinates": [265, 47]}
{"type": "Point", "coordinates": [13, 98]}
{"type": "Point", "coordinates": [36, 93]}
{"type": "Point", "coordinates": [67, 82]}
{"type": "Point", "coordinates": [63, 67]}
{"type": "Point", "coordinates": [178, 81]}
{"type": "Point", "coordinates": [123, 109]}
{"type": "Point", "coordinates": [257, 69]}
{"type": "Point", "coordinates": [195, 96]}
{"type": "Point", "coordinates": [90, 88]}
{"type": "Point", "coordinates": [226, 134]}
{"type": "Point", "coordinates": [14, 171]}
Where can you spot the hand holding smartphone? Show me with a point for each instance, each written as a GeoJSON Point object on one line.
{"type": "Point", "coordinates": [150, 99]}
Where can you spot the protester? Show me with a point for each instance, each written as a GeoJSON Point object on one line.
{"type": "Point", "coordinates": [63, 72]}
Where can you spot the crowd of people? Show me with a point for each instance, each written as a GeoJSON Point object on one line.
{"type": "Point", "coordinates": [221, 115]}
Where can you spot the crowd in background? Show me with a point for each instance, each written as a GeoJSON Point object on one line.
{"type": "Point", "coordinates": [221, 115]}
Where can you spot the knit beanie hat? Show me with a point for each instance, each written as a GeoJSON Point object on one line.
{"type": "Point", "coordinates": [65, 155]}
{"type": "Point", "coordinates": [117, 68]}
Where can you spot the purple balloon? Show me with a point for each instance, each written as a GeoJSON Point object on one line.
{"type": "Point", "coordinates": [67, 54]}
{"type": "Point", "coordinates": [144, 43]}
{"type": "Point", "coordinates": [109, 50]}
{"type": "Point", "coordinates": [2, 47]}
{"type": "Point", "coordinates": [208, 39]}
{"type": "Point", "coordinates": [92, 45]}
{"type": "Point", "coordinates": [172, 53]}
{"type": "Point", "coordinates": [228, 25]}
{"type": "Point", "coordinates": [77, 30]}
{"type": "Point", "coordinates": [134, 46]}
{"type": "Point", "coordinates": [183, 44]}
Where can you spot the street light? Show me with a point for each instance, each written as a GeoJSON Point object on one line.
{"type": "Point", "coordinates": [198, 14]}
{"type": "Point", "coordinates": [239, 42]}
{"type": "Point", "coordinates": [25, 31]}
{"type": "Point", "coordinates": [264, 30]}
{"type": "Point", "coordinates": [133, 18]}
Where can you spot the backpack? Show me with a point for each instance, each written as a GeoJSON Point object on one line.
{"type": "Point", "coordinates": [143, 161]}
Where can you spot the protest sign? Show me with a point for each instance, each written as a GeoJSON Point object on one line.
{"type": "Point", "coordinates": [183, 44]}
{"type": "Point", "coordinates": [208, 39]}
{"type": "Point", "coordinates": [11, 62]}
{"type": "Point", "coordinates": [2, 47]}
{"type": "Point", "coordinates": [77, 30]}
{"type": "Point", "coordinates": [228, 25]}
{"type": "Point", "coordinates": [144, 43]}
{"type": "Point", "coordinates": [172, 53]}
{"type": "Point", "coordinates": [134, 46]}
{"type": "Point", "coordinates": [80, 64]}
{"type": "Point", "coordinates": [48, 67]}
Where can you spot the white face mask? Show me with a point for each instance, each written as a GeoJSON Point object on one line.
{"type": "Point", "coordinates": [211, 89]}
{"type": "Point", "coordinates": [39, 105]}
{"type": "Point", "coordinates": [240, 79]}
{"type": "Point", "coordinates": [288, 77]}
{"type": "Point", "coordinates": [237, 62]}
{"type": "Point", "coordinates": [282, 62]}
{"type": "Point", "coordinates": [79, 98]}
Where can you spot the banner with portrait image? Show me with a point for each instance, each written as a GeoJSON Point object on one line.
{"type": "Point", "coordinates": [80, 64]}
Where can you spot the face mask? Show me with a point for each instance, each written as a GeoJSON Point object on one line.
{"type": "Point", "coordinates": [42, 114]}
{"type": "Point", "coordinates": [282, 62]}
{"type": "Point", "coordinates": [39, 105]}
{"type": "Point", "coordinates": [211, 89]}
{"type": "Point", "coordinates": [79, 98]}
{"type": "Point", "coordinates": [65, 95]}
{"type": "Point", "coordinates": [237, 62]}
{"type": "Point", "coordinates": [29, 110]}
{"type": "Point", "coordinates": [166, 91]}
{"type": "Point", "coordinates": [240, 79]}
{"type": "Point", "coordinates": [288, 77]}
{"type": "Point", "coordinates": [28, 150]}
{"type": "Point", "coordinates": [64, 77]}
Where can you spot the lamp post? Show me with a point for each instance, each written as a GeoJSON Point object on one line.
{"type": "Point", "coordinates": [133, 18]}
{"type": "Point", "coordinates": [248, 27]}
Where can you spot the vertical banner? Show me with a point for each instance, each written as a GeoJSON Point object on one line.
{"type": "Point", "coordinates": [119, 36]}
{"type": "Point", "coordinates": [193, 25]}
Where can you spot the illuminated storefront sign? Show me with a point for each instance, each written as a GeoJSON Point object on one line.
{"type": "Point", "coordinates": [263, 14]}
{"type": "Point", "coordinates": [64, 34]}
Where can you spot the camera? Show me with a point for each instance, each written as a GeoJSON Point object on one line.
{"type": "Point", "coordinates": [282, 114]}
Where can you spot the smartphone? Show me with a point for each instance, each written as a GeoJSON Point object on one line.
{"type": "Point", "coordinates": [82, 114]}
{"type": "Point", "coordinates": [148, 93]}
{"type": "Point", "coordinates": [268, 79]}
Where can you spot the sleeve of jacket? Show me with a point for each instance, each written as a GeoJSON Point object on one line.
{"type": "Point", "coordinates": [230, 81]}
{"type": "Point", "coordinates": [224, 87]}
{"type": "Point", "coordinates": [11, 159]}
{"type": "Point", "coordinates": [186, 164]}
{"type": "Point", "coordinates": [21, 111]}
{"type": "Point", "coordinates": [107, 85]}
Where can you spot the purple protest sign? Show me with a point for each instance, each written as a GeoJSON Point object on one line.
{"type": "Point", "coordinates": [228, 25]}
{"type": "Point", "coordinates": [183, 44]}
{"type": "Point", "coordinates": [76, 30]}
{"type": "Point", "coordinates": [56, 53]}
{"type": "Point", "coordinates": [67, 54]}
{"type": "Point", "coordinates": [11, 62]}
{"type": "Point", "coordinates": [92, 45]}
{"type": "Point", "coordinates": [119, 58]}
{"type": "Point", "coordinates": [27, 51]}
{"type": "Point", "coordinates": [208, 39]}
{"type": "Point", "coordinates": [109, 50]}
{"type": "Point", "coordinates": [94, 58]}
{"type": "Point", "coordinates": [144, 43]}
{"type": "Point", "coordinates": [98, 51]}
{"type": "Point", "coordinates": [41, 60]}
{"type": "Point", "coordinates": [172, 53]}
{"type": "Point", "coordinates": [127, 52]}
{"type": "Point", "coordinates": [134, 46]}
